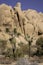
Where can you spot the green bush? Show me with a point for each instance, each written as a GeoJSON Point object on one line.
{"type": "Point", "coordinates": [2, 46]}
{"type": "Point", "coordinates": [19, 53]}
{"type": "Point", "coordinates": [39, 44]}
{"type": "Point", "coordinates": [24, 48]}
{"type": "Point", "coordinates": [9, 53]}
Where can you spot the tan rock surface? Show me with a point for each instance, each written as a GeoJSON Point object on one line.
{"type": "Point", "coordinates": [15, 20]}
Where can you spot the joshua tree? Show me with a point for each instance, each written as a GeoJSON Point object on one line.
{"type": "Point", "coordinates": [29, 42]}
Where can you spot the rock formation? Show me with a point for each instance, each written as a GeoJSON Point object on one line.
{"type": "Point", "coordinates": [14, 20]}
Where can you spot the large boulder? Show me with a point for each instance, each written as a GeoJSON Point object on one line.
{"type": "Point", "coordinates": [6, 14]}
{"type": "Point", "coordinates": [4, 36]}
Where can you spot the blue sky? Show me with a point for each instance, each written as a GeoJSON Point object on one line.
{"type": "Point", "coordinates": [26, 4]}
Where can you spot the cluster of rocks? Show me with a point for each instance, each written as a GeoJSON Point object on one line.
{"type": "Point", "coordinates": [25, 22]}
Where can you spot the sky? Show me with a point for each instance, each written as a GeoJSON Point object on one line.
{"type": "Point", "coordinates": [26, 4]}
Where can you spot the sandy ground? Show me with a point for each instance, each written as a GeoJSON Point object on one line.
{"type": "Point", "coordinates": [40, 63]}
{"type": "Point", "coordinates": [14, 64]}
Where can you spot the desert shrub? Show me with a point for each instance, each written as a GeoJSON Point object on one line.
{"type": "Point", "coordinates": [9, 53]}
{"type": "Point", "coordinates": [24, 48]}
{"type": "Point", "coordinates": [13, 52]}
{"type": "Point", "coordinates": [19, 53]}
{"type": "Point", "coordinates": [2, 46]}
{"type": "Point", "coordinates": [22, 51]}
{"type": "Point", "coordinates": [7, 50]}
{"type": "Point", "coordinates": [39, 44]}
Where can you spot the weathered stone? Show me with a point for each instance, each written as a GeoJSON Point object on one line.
{"type": "Point", "coordinates": [27, 22]}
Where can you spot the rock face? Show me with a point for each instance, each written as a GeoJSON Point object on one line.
{"type": "Point", "coordinates": [28, 22]}
{"type": "Point", "coordinates": [14, 21]}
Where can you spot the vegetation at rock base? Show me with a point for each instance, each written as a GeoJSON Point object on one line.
{"type": "Point", "coordinates": [24, 48]}
{"type": "Point", "coordinates": [39, 44]}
